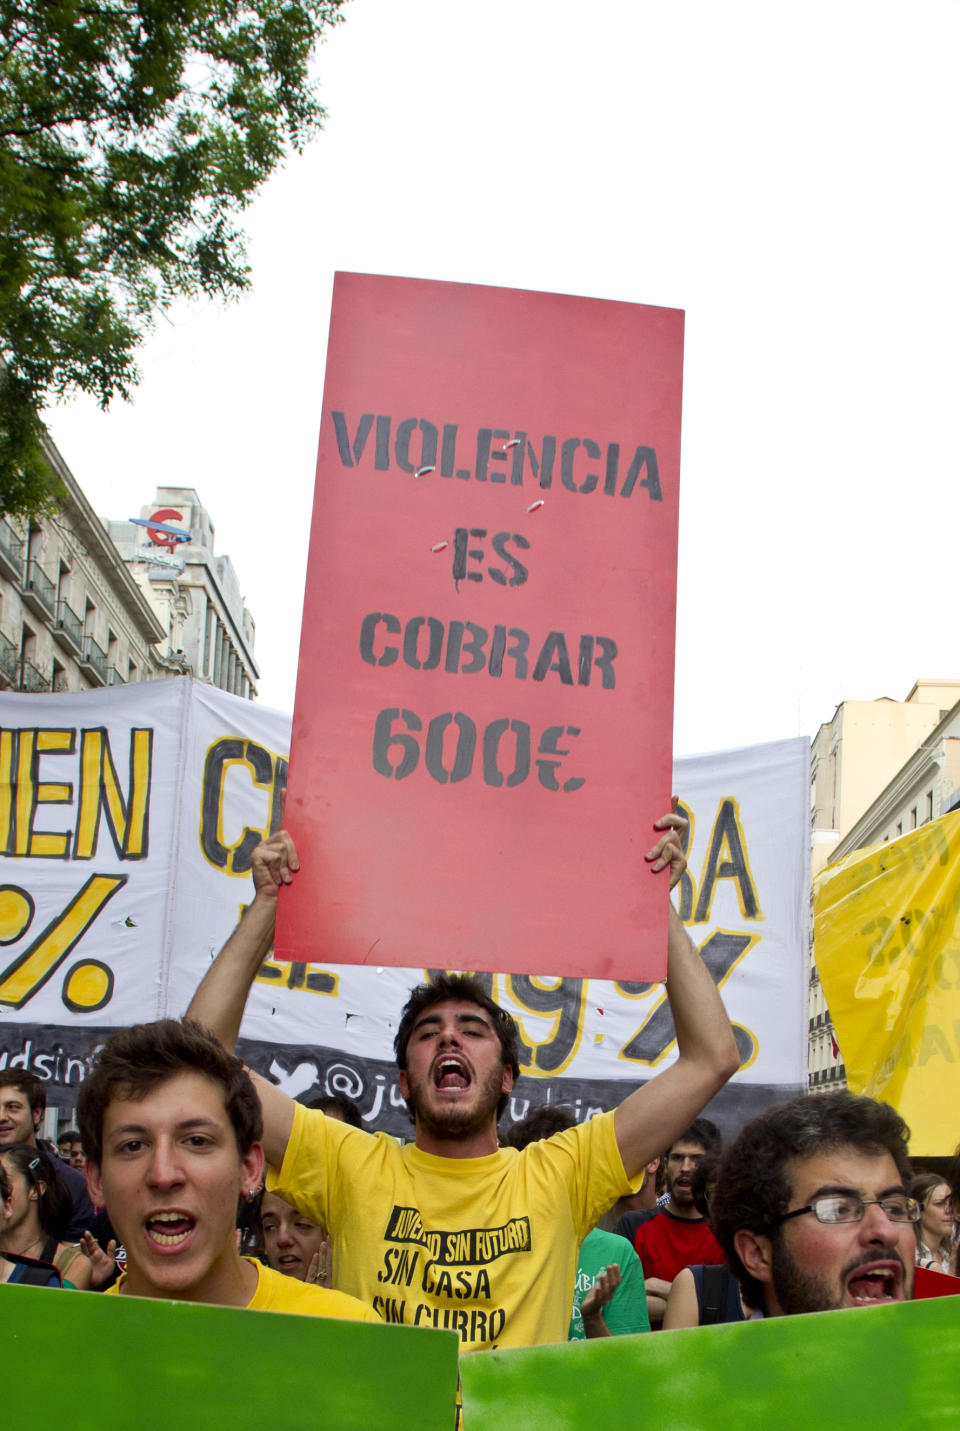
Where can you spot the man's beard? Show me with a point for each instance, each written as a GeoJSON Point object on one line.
{"type": "Point", "coordinates": [454, 1121]}
{"type": "Point", "coordinates": [797, 1290]}
{"type": "Point", "coordinates": [681, 1196]}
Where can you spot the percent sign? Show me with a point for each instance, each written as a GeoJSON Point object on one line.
{"type": "Point", "coordinates": [88, 985]}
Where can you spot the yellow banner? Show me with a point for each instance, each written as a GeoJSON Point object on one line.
{"type": "Point", "coordinates": [887, 945]}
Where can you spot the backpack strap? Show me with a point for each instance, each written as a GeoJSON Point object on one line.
{"type": "Point", "coordinates": [715, 1282]}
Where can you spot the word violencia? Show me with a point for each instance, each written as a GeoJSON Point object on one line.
{"type": "Point", "coordinates": [416, 446]}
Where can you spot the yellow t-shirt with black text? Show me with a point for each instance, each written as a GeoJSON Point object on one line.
{"type": "Point", "coordinates": [485, 1247]}
{"type": "Point", "coordinates": [275, 1292]}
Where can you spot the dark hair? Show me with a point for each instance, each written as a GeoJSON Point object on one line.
{"type": "Point", "coordinates": [703, 1180]}
{"type": "Point", "coordinates": [705, 1133]}
{"type": "Point", "coordinates": [68, 1135]}
{"type": "Point", "coordinates": [54, 1204]}
{"type": "Point", "coordinates": [753, 1190]}
{"type": "Point", "coordinates": [539, 1123]}
{"type": "Point", "coordinates": [28, 1084]}
{"type": "Point", "coordinates": [5, 1188]}
{"type": "Point", "coordinates": [137, 1060]}
{"type": "Point", "coordinates": [921, 1186]}
{"type": "Point", "coordinates": [460, 986]}
{"type": "Point", "coordinates": [953, 1176]}
{"type": "Point", "coordinates": [338, 1105]}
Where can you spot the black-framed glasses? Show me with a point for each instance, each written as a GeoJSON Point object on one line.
{"type": "Point", "coordinates": [847, 1207]}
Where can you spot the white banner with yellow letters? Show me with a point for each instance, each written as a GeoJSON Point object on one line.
{"type": "Point", "coordinates": [127, 820]}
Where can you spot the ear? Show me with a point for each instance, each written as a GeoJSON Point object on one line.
{"type": "Point", "coordinates": [403, 1083]}
{"type": "Point", "coordinates": [506, 1083]}
{"type": "Point", "coordinates": [252, 1166]}
{"type": "Point", "coordinates": [94, 1185]}
{"type": "Point", "coordinates": [756, 1253]}
{"type": "Point", "coordinates": [37, 1115]}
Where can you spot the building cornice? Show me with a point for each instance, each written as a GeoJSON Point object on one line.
{"type": "Point", "coordinates": [911, 774]}
{"type": "Point", "coordinates": [91, 531]}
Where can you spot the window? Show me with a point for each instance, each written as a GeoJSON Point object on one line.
{"type": "Point", "coordinates": [28, 644]}
{"type": "Point", "coordinates": [913, 818]}
{"type": "Point", "coordinates": [899, 827]}
{"type": "Point", "coordinates": [63, 583]}
{"type": "Point", "coordinates": [929, 815]}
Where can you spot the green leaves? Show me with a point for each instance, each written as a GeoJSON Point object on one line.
{"type": "Point", "coordinates": [132, 135]}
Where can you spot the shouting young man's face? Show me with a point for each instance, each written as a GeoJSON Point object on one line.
{"type": "Point", "coordinates": [171, 1178]}
{"type": "Point", "coordinates": [455, 1071]}
{"type": "Point", "coordinates": [814, 1266]}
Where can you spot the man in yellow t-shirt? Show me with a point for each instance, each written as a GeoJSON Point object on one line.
{"type": "Point", "coordinates": [453, 1231]}
{"type": "Point", "coordinates": [171, 1127]}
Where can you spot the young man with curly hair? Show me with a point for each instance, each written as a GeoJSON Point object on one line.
{"type": "Point", "coordinates": [811, 1206]}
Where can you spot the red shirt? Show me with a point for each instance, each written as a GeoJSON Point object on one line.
{"type": "Point", "coordinates": [666, 1244]}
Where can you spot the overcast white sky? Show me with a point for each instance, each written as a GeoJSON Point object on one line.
{"type": "Point", "coordinates": [785, 173]}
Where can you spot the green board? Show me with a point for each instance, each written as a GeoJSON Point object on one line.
{"type": "Point", "coordinates": [881, 1367]}
{"type": "Point", "coordinates": [168, 1366]}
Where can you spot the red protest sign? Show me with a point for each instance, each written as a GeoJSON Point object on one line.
{"type": "Point", "coordinates": [481, 734]}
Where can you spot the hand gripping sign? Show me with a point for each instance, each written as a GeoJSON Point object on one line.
{"type": "Point", "coordinates": [481, 738]}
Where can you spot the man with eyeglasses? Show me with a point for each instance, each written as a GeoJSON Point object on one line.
{"type": "Point", "coordinates": [811, 1206]}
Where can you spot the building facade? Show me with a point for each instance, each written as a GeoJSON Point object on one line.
{"type": "Point", "coordinates": [194, 593]}
{"type": "Point", "coordinates": [878, 770]}
{"type": "Point", "coordinates": [71, 616]}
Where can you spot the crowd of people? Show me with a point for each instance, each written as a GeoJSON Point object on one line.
{"type": "Point", "coordinates": [203, 1182]}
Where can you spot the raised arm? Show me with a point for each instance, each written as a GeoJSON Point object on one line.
{"type": "Point", "coordinates": [222, 995]}
{"type": "Point", "coordinates": [650, 1118]}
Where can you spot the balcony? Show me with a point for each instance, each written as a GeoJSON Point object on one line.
{"type": "Point", "coordinates": [68, 630]}
{"type": "Point", "coordinates": [31, 679]}
{"type": "Point", "coordinates": [93, 662]}
{"type": "Point", "coordinates": [114, 677]}
{"type": "Point", "coordinates": [11, 553]}
{"type": "Point", "coordinates": [39, 593]}
{"type": "Point", "coordinates": [9, 662]}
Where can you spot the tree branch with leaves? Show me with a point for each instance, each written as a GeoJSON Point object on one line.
{"type": "Point", "coordinates": [132, 137]}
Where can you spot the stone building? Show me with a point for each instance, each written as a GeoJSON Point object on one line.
{"type": "Point", "coordinates": [194, 593]}
{"type": "Point", "coordinates": [71, 616]}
